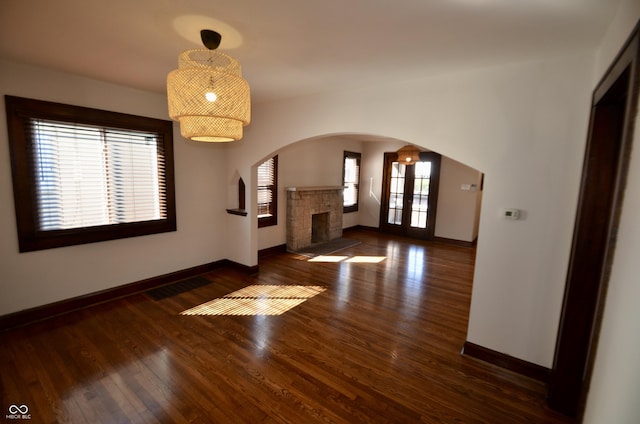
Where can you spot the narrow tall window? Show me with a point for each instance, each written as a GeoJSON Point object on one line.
{"type": "Point", "coordinates": [351, 181]}
{"type": "Point", "coordinates": [268, 192]}
{"type": "Point", "coordinates": [83, 175]}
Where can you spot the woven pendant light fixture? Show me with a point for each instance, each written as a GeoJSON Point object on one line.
{"type": "Point", "coordinates": [207, 93]}
{"type": "Point", "coordinates": [408, 155]}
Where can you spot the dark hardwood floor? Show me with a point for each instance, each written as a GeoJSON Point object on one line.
{"type": "Point", "coordinates": [381, 344]}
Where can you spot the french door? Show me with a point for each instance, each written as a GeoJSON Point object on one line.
{"type": "Point", "coordinates": [409, 196]}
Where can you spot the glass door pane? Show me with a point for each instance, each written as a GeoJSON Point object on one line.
{"type": "Point", "coordinates": [420, 199]}
{"type": "Point", "coordinates": [396, 193]}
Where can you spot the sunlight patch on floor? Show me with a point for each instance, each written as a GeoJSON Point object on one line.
{"type": "Point", "coordinates": [367, 259]}
{"type": "Point", "coordinates": [328, 258]}
{"type": "Point", "coordinates": [356, 259]}
{"type": "Point", "coordinates": [257, 300]}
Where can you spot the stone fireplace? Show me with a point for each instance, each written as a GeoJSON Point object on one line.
{"type": "Point", "coordinates": [314, 215]}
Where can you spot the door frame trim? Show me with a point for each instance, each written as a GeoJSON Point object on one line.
{"type": "Point", "coordinates": [585, 293]}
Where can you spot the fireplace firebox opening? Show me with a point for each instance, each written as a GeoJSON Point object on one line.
{"type": "Point", "coordinates": [320, 227]}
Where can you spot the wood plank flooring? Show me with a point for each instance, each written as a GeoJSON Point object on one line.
{"type": "Point", "coordinates": [381, 344]}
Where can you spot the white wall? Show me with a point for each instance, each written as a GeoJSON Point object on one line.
{"type": "Point", "coordinates": [36, 278]}
{"type": "Point", "coordinates": [458, 210]}
{"type": "Point", "coordinates": [524, 125]}
{"type": "Point", "coordinates": [615, 384]}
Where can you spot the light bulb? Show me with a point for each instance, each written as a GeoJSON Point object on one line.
{"type": "Point", "coordinates": [211, 96]}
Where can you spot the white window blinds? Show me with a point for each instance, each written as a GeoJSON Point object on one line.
{"type": "Point", "coordinates": [266, 186]}
{"type": "Point", "coordinates": [351, 181]}
{"type": "Point", "coordinates": [351, 177]}
{"type": "Point", "coordinates": [92, 176]}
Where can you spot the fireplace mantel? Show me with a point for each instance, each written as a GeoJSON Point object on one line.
{"type": "Point", "coordinates": [315, 188]}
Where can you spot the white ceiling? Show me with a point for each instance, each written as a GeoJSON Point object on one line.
{"type": "Point", "coordinates": [295, 47]}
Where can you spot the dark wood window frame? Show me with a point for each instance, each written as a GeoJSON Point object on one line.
{"type": "Point", "coordinates": [358, 158]}
{"type": "Point", "coordinates": [20, 112]}
{"type": "Point", "coordinates": [273, 187]}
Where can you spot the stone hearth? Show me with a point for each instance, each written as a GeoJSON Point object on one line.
{"type": "Point", "coordinates": [305, 202]}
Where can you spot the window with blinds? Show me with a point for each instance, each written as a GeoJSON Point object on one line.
{"type": "Point", "coordinates": [267, 187]}
{"type": "Point", "coordinates": [88, 176]}
{"type": "Point", "coordinates": [83, 175]}
{"type": "Point", "coordinates": [351, 181]}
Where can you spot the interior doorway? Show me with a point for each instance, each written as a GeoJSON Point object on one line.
{"type": "Point", "coordinates": [605, 167]}
{"type": "Point", "coordinates": [410, 196]}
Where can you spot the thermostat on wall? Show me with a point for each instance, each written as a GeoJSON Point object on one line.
{"type": "Point", "coordinates": [512, 213]}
